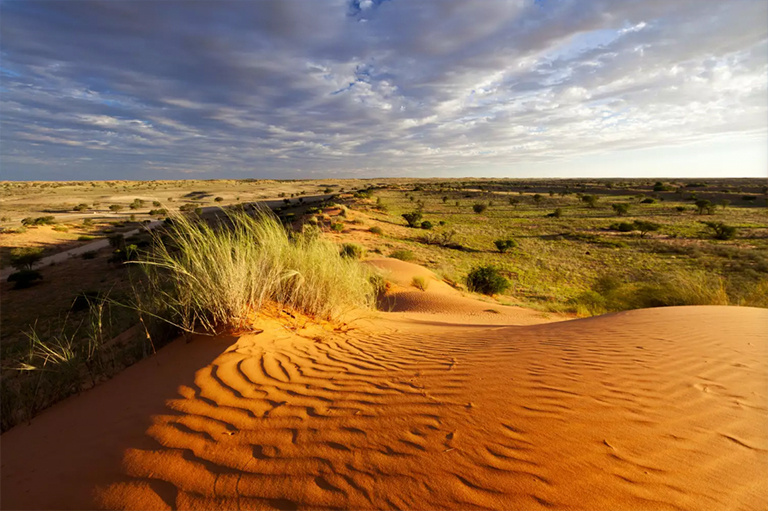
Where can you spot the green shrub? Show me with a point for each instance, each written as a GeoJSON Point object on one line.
{"type": "Point", "coordinates": [81, 207]}
{"type": "Point", "coordinates": [487, 280]}
{"type": "Point", "coordinates": [680, 209]}
{"type": "Point", "coordinates": [24, 278]}
{"type": "Point", "coordinates": [352, 250]}
{"type": "Point", "coordinates": [413, 219]}
{"type": "Point", "coordinates": [403, 255]}
{"type": "Point", "coordinates": [704, 206]}
{"type": "Point", "coordinates": [375, 230]}
{"type": "Point", "coordinates": [645, 227]}
{"type": "Point", "coordinates": [420, 283]}
{"type": "Point", "coordinates": [216, 277]}
{"type": "Point", "coordinates": [648, 201]}
{"type": "Point", "coordinates": [337, 226]}
{"type": "Point", "coordinates": [61, 228]}
{"type": "Point", "coordinates": [479, 208]}
{"type": "Point", "coordinates": [219, 199]}
{"type": "Point", "coordinates": [426, 224]}
{"type": "Point", "coordinates": [115, 208]}
{"type": "Point", "coordinates": [504, 245]}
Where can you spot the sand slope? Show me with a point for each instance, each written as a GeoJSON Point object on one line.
{"type": "Point", "coordinates": [650, 409]}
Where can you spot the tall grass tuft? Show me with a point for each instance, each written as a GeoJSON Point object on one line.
{"type": "Point", "coordinates": [210, 276]}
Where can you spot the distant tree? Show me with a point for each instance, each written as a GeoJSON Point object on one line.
{"type": "Point", "coordinates": [23, 258]}
{"type": "Point", "coordinates": [704, 206]}
{"type": "Point", "coordinates": [721, 231]}
{"type": "Point", "coordinates": [590, 200]}
{"type": "Point", "coordinates": [81, 207]}
{"type": "Point", "coordinates": [413, 219]}
{"type": "Point", "coordinates": [445, 199]}
{"type": "Point", "coordinates": [479, 208]}
{"type": "Point", "coordinates": [724, 203]}
{"type": "Point", "coordinates": [537, 198]}
{"type": "Point", "coordinates": [645, 227]}
{"type": "Point", "coordinates": [620, 209]}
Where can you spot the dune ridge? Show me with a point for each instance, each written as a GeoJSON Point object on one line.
{"type": "Point", "coordinates": [649, 409]}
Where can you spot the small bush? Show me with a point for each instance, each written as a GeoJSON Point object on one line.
{"type": "Point", "coordinates": [504, 245]}
{"type": "Point", "coordinates": [479, 208]}
{"type": "Point", "coordinates": [648, 201]}
{"type": "Point", "coordinates": [403, 255]}
{"type": "Point", "coordinates": [115, 208]}
{"type": "Point", "coordinates": [680, 209]}
{"type": "Point", "coordinates": [24, 278]}
{"type": "Point", "coordinates": [376, 230]}
{"type": "Point", "coordinates": [487, 280]}
{"type": "Point", "coordinates": [556, 213]}
{"type": "Point", "coordinates": [81, 207]}
{"type": "Point", "coordinates": [219, 199]}
{"type": "Point", "coordinates": [61, 228]}
{"type": "Point", "coordinates": [426, 224]}
{"type": "Point", "coordinates": [337, 226]}
{"type": "Point", "coordinates": [352, 250]}
{"type": "Point", "coordinates": [420, 283]}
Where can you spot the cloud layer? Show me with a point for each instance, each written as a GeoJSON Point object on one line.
{"type": "Point", "coordinates": [302, 89]}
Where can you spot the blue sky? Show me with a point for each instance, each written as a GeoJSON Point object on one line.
{"type": "Point", "coordinates": [336, 88]}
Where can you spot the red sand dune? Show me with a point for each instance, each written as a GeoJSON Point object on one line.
{"type": "Point", "coordinates": [649, 409]}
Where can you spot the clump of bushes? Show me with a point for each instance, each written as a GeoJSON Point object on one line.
{"type": "Point", "coordinates": [158, 212]}
{"type": "Point", "coordinates": [337, 226]}
{"type": "Point", "coordinates": [41, 220]}
{"type": "Point", "coordinates": [479, 208]}
{"type": "Point", "coordinates": [487, 280]}
{"type": "Point", "coordinates": [504, 245]}
{"type": "Point", "coordinates": [403, 255]}
{"type": "Point", "coordinates": [426, 224]}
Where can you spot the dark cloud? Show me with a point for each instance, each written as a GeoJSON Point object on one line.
{"type": "Point", "coordinates": [163, 89]}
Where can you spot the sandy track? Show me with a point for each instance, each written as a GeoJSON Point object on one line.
{"type": "Point", "coordinates": [651, 409]}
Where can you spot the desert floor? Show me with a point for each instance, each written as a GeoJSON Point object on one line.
{"type": "Point", "coordinates": [440, 403]}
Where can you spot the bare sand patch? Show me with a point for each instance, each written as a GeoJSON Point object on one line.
{"type": "Point", "coordinates": [649, 409]}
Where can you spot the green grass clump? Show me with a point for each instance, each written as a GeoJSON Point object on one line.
{"type": "Point", "coordinates": [214, 276]}
{"type": "Point", "coordinates": [375, 230]}
{"type": "Point", "coordinates": [352, 250]}
{"type": "Point", "coordinates": [403, 255]}
{"type": "Point", "coordinates": [420, 283]}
